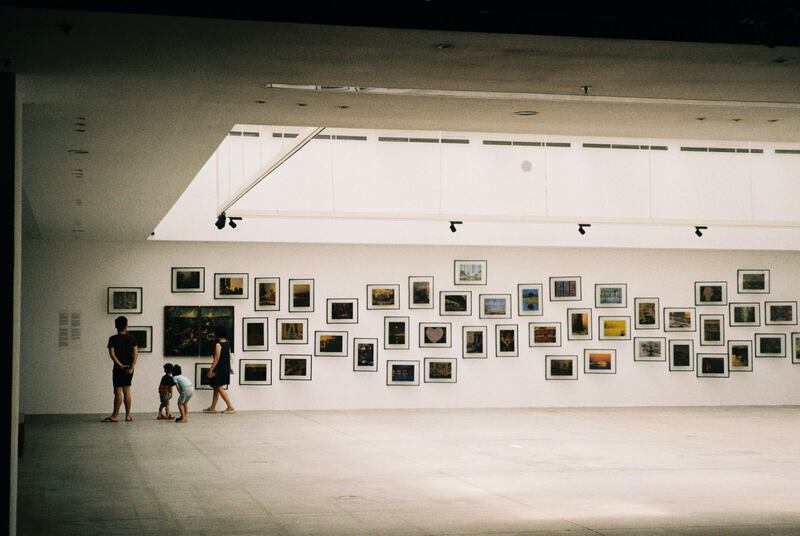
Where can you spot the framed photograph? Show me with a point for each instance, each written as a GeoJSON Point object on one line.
{"type": "Point", "coordinates": [330, 343]}
{"type": "Point", "coordinates": [744, 314]}
{"type": "Point", "coordinates": [435, 334]}
{"type": "Point", "coordinates": [561, 367]}
{"type": "Point", "coordinates": [646, 313]}
{"type": "Point", "coordinates": [188, 279]}
{"type": "Point", "coordinates": [753, 281]}
{"type": "Point", "coordinates": [712, 366]}
{"type": "Point", "coordinates": [189, 329]}
{"type": "Point", "coordinates": [440, 370]}
{"type": "Point", "coordinates": [679, 319]}
{"type": "Point", "coordinates": [383, 296]}
{"type": "Point", "coordinates": [291, 331]}
{"type": "Point", "coordinates": [529, 299]}
{"type": "Point", "coordinates": [649, 349]}
{"type": "Point", "coordinates": [780, 313]}
{"type": "Point", "coordinates": [796, 348]}
{"type": "Point", "coordinates": [342, 310]}
{"type": "Point", "coordinates": [365, 355]}
{"type": "Point", "coordinates": [474, 342]}
{"type": "Point", "coordinates": [740, 356]}
{"type": "Point", "coordinates": [614, 328]}
{"type": "Point", "coordinates": [295, 367]}
{"type": "Point", "coordinates": [255, 334]}
{"type": "Point", "coordinates": [268, 293]}
{"type": "Point", "coordinates": [402, 372]}
{"type": "Point", "coordinates": [565, 288]}
{"type": "Point", "coordinates": [255, 372]}
{"type": "Point", "coordinates": [770, 345]}
{"type": "Point", "coordinates": [396, 333]}
{"type": "Point", "coordinates": [143, 336]}
{"type": "Point", "coordinates": [599, 361]}
{"type": "Point", "coordinates": [611, 295]}
{"type": "Point", "coordinates": [125, 300]}
{"type": "Point", "coordinates": [230, 286]}
{"type": "Point", "coordinates": [579, 324]}
{"type": "Point", "coordinates": [455, 303]}
{"type": "Point", "coordinates": [711, 293]}
{"type": "Point", "coordinates": [301, 295]}
{"type": "Point", "coordinates": [506, 340]}
{"type": "Point", "coordinates": [201, 380]}
{"type": "Point", "coordinates": [712, 330]}
{"type": "Point", "coordinates": [546, 334]}
{"type": "Point", "coordinates": [420, 292]}
{"type": "Point", "coordinates": [681, 355]}
{"type": "Point", "coordinates": [470, 273]}
{"type": "Point", "coordinates": [494, 306]}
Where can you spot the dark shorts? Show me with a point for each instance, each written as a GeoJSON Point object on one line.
{"type": "Point", "coordinates": [121, 378]}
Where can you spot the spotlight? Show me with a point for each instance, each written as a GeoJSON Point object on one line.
{"type": "Point", "coordinates": [581, 226]}
{"type": "Point", "coordinates": [698, 229]}
{"type": "Point", "coordinates": [232, 221]}
{"type": "Point", "coordinates": [453, 224]}
{"type": "Point", "coordinates": [220, 221]}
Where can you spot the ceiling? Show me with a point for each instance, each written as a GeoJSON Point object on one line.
{"type": "Point", "coordinates": [157, 95]}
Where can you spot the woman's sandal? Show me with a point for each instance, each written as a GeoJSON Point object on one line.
{"type": "Point", "coordinates": [209, 410]}
{"type": "Point", "coordinates": [109, 419]}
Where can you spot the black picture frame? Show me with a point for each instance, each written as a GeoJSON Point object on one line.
{"type": "Point", "coordinates": [708, 335]}
{"type": "Point", "coordinates": [579, 324]}
{"type": "Point", "coordinates": [737, 317]}
{"type": "Point", "coordinates": [188, 279]}
{"type": "Point", "coordinates": [680, 323]}
{"type": "Point", "coordinates": [604, 359]}
{"type": "Point", "coordinates": [487, 306]}
{"type": "Point", "coordinates": [530, 299]}
{"type": "Point", "coordinates": [267, 294]}
{"type": "Point", "coordinates": [650, 349]}
{"type": "Point", "coordinates": [772, 316]}
{"type": "Point", "coordinates": [402, 372]}
{"type": "Point", "coordinates": [753, 281]}
{"type": "Point", "coordinates": [681, 355]}
{"type": "Point", "coordinates": [231, 286]}
{"type": "Point", "coordinates": [470, 344]}
{"type": "Point", "coordinates": [255, 334]}
{"type": "Point", "coordinates": [201, 379]}
{"type": "Point", "coordinates": [420, 292]}
{"type": "Point", "coordinates": [365, 354]}
{"type": "Point", "coordinates": [464, 275]}
{"type": "Point", "coordinates": [711, 293]}
{"type": "Point", "coordinates": [613, 300]}
{"type": "Point", "coordinates": [143, 336]}
{"type": "Point", "coordinates": [455, 303]}
{"type": "Point", "coordinates": [296, 367]}
{"type": "Point", "coordinates": [435, 335]}
{"type": "Point", "coordinates": [341, 310]}
{"type": "Point", "coordinates": [603, 329]}
{"type": "Point", "coordinates": [646, 318]}
{"type": "Point", "coordinates": [440, 370]}
{"type": "Point", "coordinates": [561, 367]}
{"type": "Point", "coordinates": [393, 337]}
{"type": "Point", "coordinates": [250, 371]}
{"type": "Point", "coordinates": [565, 288]}
{"type": "Point", "coordinates": [712, 365]}
{"type": "Point", "coordinates": [740, 355]}
{"type": "Point", "coordinates": [301, 299]}
{"type": "Point", "coordinates": [795, 348]}
{"type": "Point", "coordinates": [287, 331]}
{"type": "Point", "coordinates": [540, 334]}
{"type": "Point", "coordinates": [769, 345]}
{"type": "Point", "coordinates": [506, 338]}
{"type": "Point", "coordinates": [124, 300]}
{"type": "Point", "coordinates": [331, 343]}
{"type": "Point", "coordinates": [383, 296]}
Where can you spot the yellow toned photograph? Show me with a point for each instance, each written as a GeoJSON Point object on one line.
{"type": "Point", "coordinates": [615, 328]}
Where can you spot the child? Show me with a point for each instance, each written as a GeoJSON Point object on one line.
{"type": "Point", "coordinates": [165, 393]}
{"type": "Point", "coordinates": [186, 390]}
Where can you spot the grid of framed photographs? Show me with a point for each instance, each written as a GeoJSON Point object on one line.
{"type": "Point", "coordinates": [189, 330]}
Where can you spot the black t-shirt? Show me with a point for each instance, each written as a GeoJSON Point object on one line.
{"type": "Point", "coordinates": [168, 380]}
{"type": "Point", "coordinates": [123, 344]}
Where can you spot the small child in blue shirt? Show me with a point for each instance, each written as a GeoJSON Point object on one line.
{"type": "Point", "coordinates": [165, 393]}
{"type": "Point", "coordinates": [186, 390]}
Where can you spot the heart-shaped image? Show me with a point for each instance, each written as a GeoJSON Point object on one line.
{"type": "Point", "coordinates": [434, 335]}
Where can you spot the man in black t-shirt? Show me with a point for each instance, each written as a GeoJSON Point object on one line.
{"type": "Point", "coordinates": [123, 349]}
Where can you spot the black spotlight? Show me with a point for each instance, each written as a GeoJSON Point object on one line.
{"type": "Point", "coordinates": [220, 221]}
{"type": "Point", "coordinates": [698, 229]}
{"type": "Point", "coordinates": [232, 221]}
{"type": "Point", "coordinates": [453, 224]}
{"type": "Point", "coordinates": [581, 226]}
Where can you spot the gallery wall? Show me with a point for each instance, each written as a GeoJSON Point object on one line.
{"type": "Point", "coordinates": [73, 277]}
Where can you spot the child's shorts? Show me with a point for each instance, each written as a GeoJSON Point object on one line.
{"type": "Point", "coordinates": [186, 394]}
{"type": "Point", "coordinates": [165, 397]}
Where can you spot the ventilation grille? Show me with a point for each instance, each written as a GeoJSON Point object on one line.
{"type": "Point", "coordinates": [244, 133]}
{"type": "Point", "coordinates": [721, 150]}
{"type": "Point", "coordinates": [289, 135]}
{"type": "Point", "coordinates": [516, 143]}
{"type": "Point", "coordinates": [625, 146]}
{"type": "Point", "coordinates": [396, 139]}
{"type": "Point", "coordinates": [787, 151]}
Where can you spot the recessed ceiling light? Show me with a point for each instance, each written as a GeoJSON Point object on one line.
{"type": "Point", "coordinates": [526, 112]}
{"type": "Point", "coordinates": [260, 102]}
{"type": "Point", "coordinates": [772, 120]}
{"type": "Point", "coordinates": [343, 107]}
{"type": "Point", "coordinates": [736, 119]}
{"type": "Point", "coordinates": [78, 202]}
{"type": "Point", "coordinates": [77, 151]}
{"type": "Point", "coordinates": [780, 60]}
{"type": "Point", "coordinates": [302, 104]}
{"type": "Point", "coordinates": [700, 118]}
{"type": "Point", "coordinates": [80, 118]}
{"type": "Point", "coordinates": [444, 46]}
{"type": "Point", "coordinates": [79, 130]}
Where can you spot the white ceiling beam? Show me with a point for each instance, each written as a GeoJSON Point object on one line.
{"type": "Point", "coordinates": [285, 154]}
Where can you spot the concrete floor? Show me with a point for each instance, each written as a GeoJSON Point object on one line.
{"type": "Point", "coordinates": [655, 471]}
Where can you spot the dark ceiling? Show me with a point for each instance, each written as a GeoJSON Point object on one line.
{"type": "Point", "coordinates": [766, 23]}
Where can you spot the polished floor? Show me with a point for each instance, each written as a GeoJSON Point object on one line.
{"type": "Point", "coordinates": [654, 471]}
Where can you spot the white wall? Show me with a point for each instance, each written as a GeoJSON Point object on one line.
{"type": "Point", "coordinates": [74, 276]}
